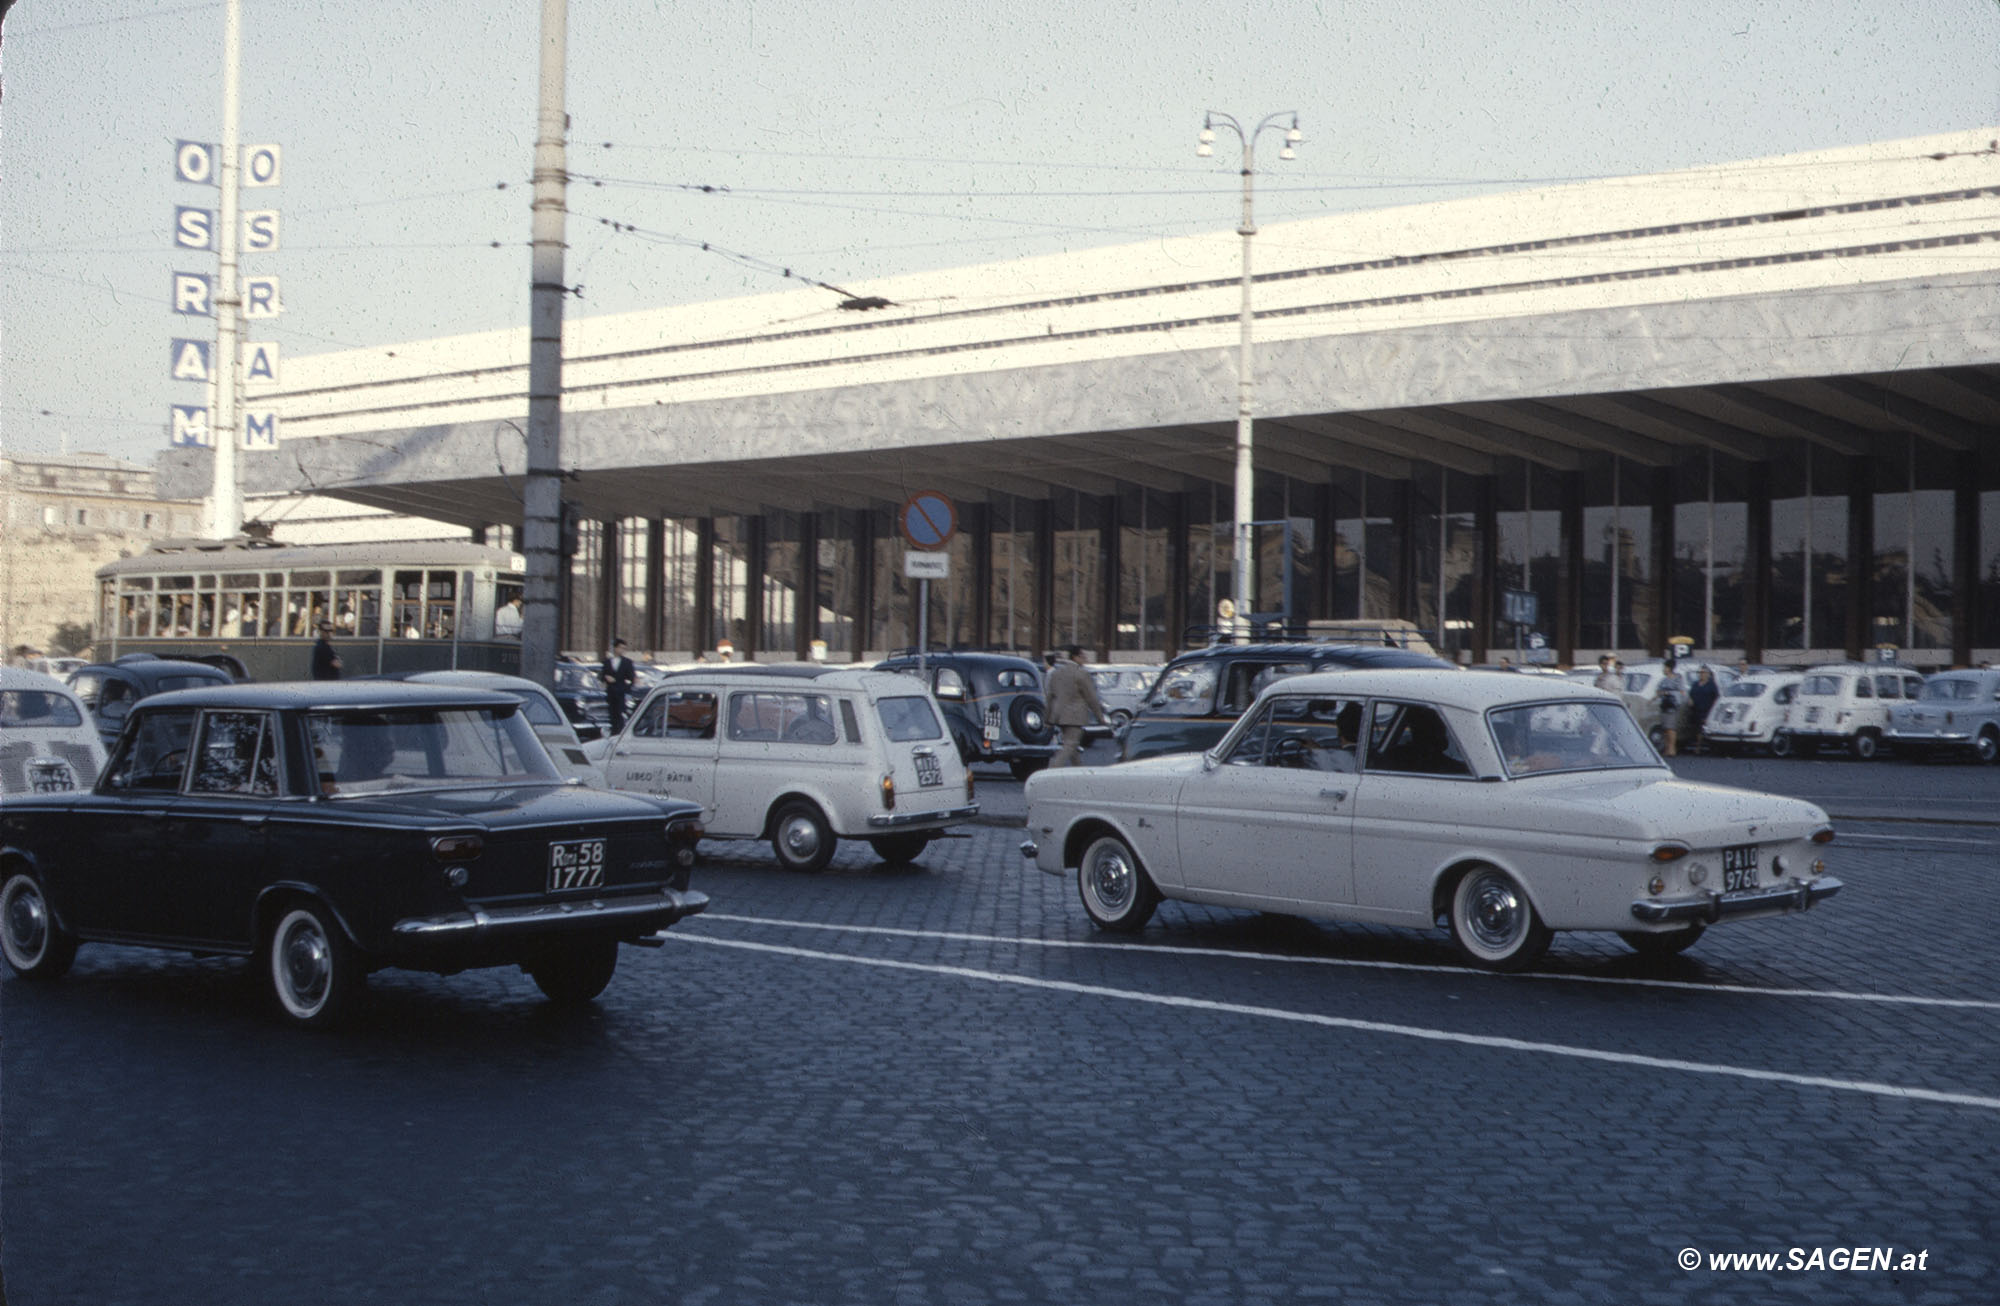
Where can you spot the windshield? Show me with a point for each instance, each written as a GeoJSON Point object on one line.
{"type": "Point", "coordinates": [1950, 691]}
{"type": "Point", "coordinates": [539, 711]}
{"type": "Point", "coordinates": [426, 748]}
{"type": "Point", "coordinates": [1541, 737]}
{"type": "Point", "coordinates": [1820, 686]}
{"type": "Point", "coordinates": [1746, 689]}
{"type": "Point", "coordinates": [1184, 691]}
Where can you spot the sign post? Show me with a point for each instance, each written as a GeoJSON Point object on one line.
{"type": "Point", "coordinates": [928, 521]}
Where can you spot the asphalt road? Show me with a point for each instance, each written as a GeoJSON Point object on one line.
{"type": "Point", "coordinates": [938, 1084]}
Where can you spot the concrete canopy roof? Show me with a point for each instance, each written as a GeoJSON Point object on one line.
{"type": "Point", "coordinates": [1847, 298]}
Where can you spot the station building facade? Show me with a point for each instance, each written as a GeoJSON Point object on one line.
{"type": "Point", "coordinates": [1755, 407]}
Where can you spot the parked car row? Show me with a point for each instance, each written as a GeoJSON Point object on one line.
{"type": "Point", "coordinates": [1860, 710]}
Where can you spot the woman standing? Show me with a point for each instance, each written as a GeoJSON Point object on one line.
{"type": "Point", "coordinates": [1671, 694]}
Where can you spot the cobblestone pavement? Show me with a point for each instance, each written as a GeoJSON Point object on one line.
{"type": "Point", "coordinates": [939, 1084]}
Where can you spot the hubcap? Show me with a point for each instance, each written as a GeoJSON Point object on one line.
{"type": "Point", "coordinates": [801, 837]}
{"type": "Point", "coordinates": [27, 922]}
{"type": "Point", "coordinates": [305, 965]}
{"type": "Point", "coordinates": [1111, 880]}
{"type": "Point", "coordinates": [1496, 914]}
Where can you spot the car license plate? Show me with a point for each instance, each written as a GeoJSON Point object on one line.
{"type": "Point", "coordinates": [576, 864]}
{"type": "Point", "coordinates": [930, 771]}
{"type": "Point", "coordinates": [51, 776]}
{"type": "Point", "coordinates": [1812, 714]}
{"type": "Point", "coordinates": [1739, 868]}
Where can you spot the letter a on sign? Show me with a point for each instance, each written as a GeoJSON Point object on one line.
{"type": "Point", "coordinates": [190, 360]}
{"type": "Point", "coordinates": [260, 363]}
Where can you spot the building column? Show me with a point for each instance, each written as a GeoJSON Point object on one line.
{"type": "Point", "coordinates": [864, 581]}
{"type": "Point", "coordinates": [656, 584]}
{"type": "Point", "coordinates": [1965, 612]}
{"type": "Point", "coordinates": [1757, 562]}
{"type": "Point", "coordinates": [1569, 567]}
{"type": "Point", "coordinates": [704, 584]}
{"type": "Point", "coordinates": [806, 628]}
{"type": "Point", "coordinates": [1404, 515]}
{"type": "Point", "coordinates": [1043, 622]}
{"type": "Point", "coordinates": [1662, 501]}
{"type": "Point", "coordinates": [1486, 584]}
{"type": "Point", "coordinates": [753, 587]}
{"type": "Point", "coordinates": [1860, 555]}
{"type": "Point", "coordinates": [1177, 572]}
{"type": "Point", "coordinates": [978, 529]}
{"type": "Point", "coordinates": [1111, 541]}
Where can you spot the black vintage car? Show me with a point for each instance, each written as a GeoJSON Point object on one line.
{"type": "Point", "coordinates": [1201, 693]}
{"type": "Point", "coordinates": [328, 830]}
{"type": "Point", "coordinates": [109, 689]}
{"type": "Point", "coordinates": [994, 704]}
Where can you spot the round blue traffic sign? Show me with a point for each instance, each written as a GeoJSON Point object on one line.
{"type": "Point", "coordinates": [928, 520]}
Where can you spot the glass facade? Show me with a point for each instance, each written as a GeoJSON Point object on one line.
{"type": "Point", "coordinates": [1101, 571]}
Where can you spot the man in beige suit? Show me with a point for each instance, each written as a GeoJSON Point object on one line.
{"type": "Point", "coordinates": [1073, 704]}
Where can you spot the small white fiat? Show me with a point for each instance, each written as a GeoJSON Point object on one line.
{"type": "Point", "coordinates": [47, 742]}
{"type": "Point", "coordinates": [800, 754]}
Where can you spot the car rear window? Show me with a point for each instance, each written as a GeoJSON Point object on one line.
{"type": "Point", "coordinates": [1184, 691]}
{"type": "Point", "coordinates": [426, 748]}
{"type": "Point", "coordinates": [37, 708]}
{"type": "Point", "coordinates": [908, 720]}
{"type": "Point", "coordinates": [1746, 689]}
{"type": "Point", "coordinates": [1961, 691]}
{"type": "Point", "coordinates": [1821, 686]}
{"type": "Point", "coordinates": [190, 682]}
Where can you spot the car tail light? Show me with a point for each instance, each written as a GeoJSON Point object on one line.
{"type": "Point", "coordinates": [1670, 852]}
{"type": "Point", "coordinates": [968, 784]}
{"type": "Point", "coordinates": [888, 793]}
{"type": "Point", "coordinates": [457, 847]}
{"type": "Point", "coordinates": [1823, 835]}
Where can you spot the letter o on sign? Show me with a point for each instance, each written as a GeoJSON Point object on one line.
{"type": "Point", "coordinates": [194, 162]}
{"type": "Point", "coordinates": [261, 165]}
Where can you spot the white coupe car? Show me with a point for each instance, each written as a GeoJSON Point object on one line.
{"type": "Point", "coordinates": [1509, 806]}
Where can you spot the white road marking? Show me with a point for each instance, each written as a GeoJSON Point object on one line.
{"type": "Point", "coordinates": [1993, 844]}
{"type": "Point", "coordinates": [1632, 981]}
{"type": "Point", "coordinates": [1362, 1026]}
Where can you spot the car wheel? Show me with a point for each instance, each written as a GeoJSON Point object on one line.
{"type": "Point", "coordinates": [1023, 767]}
{"type": "Point", "coordinates": [1662, 945]}
{"type": "Point", "coordinates": [1864, 746]}
{"type": "Point", "coordinates": [576, 974]}
{"type": "Point", "coordinates": [1493, 922]}
{"type": "Point", "coordinates": [801, 838]}
{"type": "Point", "coordinates": [1657, 737]}
{"type": "Point", "coordinates": [36, 947]}
{"type": "Point", "coordinates": [1781, 744]}
{"type": "Point", "coordinates": [1115, 888]}
{"type": "Point", "coordinates": [1987, 747]}
{"type": "Point", "coordinates": [1120, 718]}
{"type": "Point", "coordinates": [313, 971]}
{"type": "Point", "coordinates": [897, 849]}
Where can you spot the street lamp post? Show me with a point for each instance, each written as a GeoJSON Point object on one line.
{"type": "Point", "coordinates": [1246, 472]}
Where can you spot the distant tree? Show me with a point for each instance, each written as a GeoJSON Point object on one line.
{"type": "Point", "coordinates": [71, 636]}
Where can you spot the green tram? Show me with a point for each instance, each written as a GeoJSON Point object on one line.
{"type": "Point", "coordinates": [394, 606]}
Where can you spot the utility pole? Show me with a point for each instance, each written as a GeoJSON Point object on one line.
{"type": "Point", "coordinates": [541, 502]}
{"type": "Point", "coordinates": [226, 506]}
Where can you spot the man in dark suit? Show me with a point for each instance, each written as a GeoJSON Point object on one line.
{"type": "Point", "coordinates": [618, 675]}
{"type": "Point", "coordinates": [326, 662]}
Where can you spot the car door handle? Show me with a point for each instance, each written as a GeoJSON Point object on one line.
{"type": "Point", "coordinates": [1337, 795]}
{"type": "Point", "coordinates": [254, 820]}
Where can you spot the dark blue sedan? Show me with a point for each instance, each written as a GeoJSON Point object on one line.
{"type": "Point", "coordinates": [327, 830]}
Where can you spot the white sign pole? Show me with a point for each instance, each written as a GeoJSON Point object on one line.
{"type": "Point", "coordinates": [226, 516]}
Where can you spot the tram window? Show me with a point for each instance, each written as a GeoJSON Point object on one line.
{"type": "Point", "coordinates": [204, 616]}
{"type": "Point", "coordinates": [357, 606]}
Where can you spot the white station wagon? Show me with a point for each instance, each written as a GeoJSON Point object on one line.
{"type": "Point", "coordinates": [802, 755]}
{"type": "Point", "coordinates": [1508, 806]}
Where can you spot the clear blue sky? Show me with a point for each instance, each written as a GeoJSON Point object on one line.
{"type": "Point", "coordinates": [856, 141]}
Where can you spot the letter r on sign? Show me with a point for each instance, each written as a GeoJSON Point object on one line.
{"type": "Point", "coordinates": [191, 293]}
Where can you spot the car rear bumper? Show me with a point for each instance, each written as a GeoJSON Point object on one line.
{"type": "Point", "coordinates": [637, 913]}
{"type": "Point", "coordinates": [1793, 895]}
{"type": "Point", "coordinates": [908, 820]}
